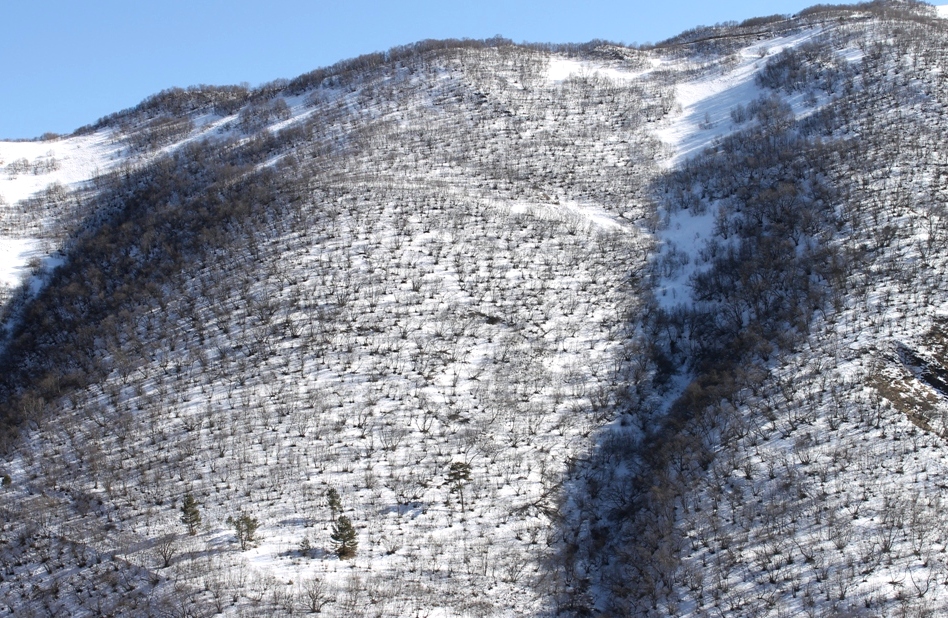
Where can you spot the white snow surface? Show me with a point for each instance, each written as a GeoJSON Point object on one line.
{"type": "Point", "coordinates": [942, 11]}
{"type": "Point", "coordinates": [711, 98]}
{"type": "Point", "coordinates": [561, 69]}
{"type": "Point", "coordinates": [15, 253]}
{"type": "Point", "coordinates": [29, 168]}
{"type": "Point", "coordinates": [705, 116]}
{"type": "Point", "coordinates": [78, 159]}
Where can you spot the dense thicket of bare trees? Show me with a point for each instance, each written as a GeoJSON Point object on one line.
{"type": "Point", "coordinates": [409, 319]}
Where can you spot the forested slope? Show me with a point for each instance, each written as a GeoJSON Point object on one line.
{"type": "Point", "coordinates": [497, 307]}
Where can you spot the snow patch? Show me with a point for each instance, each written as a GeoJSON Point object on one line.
{"type": "Point", "coordinates": [561, 69]}
{"type": "Point", "coordinates": [29, 168]}
{"type": "Point", "coordinates": [571, 210]}
{"type": "Point", "coordinates": [69, 162]}
{"type": "Point", "coordinates": [15, 254]}
{"type": "Point", "coordinates": [706, 103]}
{"type": "Point", "coordinates": [682, 241]}
{"type": "Point", "coordinates": [942, 11]}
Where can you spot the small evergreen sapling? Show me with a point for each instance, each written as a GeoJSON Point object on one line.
{"type": "Point", "coordinates": [458, 474]}
{"type": "Point", "coordinates": [190, 514]}
{"type": "Point", "coordinates": [305, 546]}
{"type": "Point", "coordinates": [245, 528]}
{"type": "Point", "coordinates": [344, 538]}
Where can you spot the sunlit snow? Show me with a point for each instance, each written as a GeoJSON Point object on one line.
{"type": "Point", "coordinates": [705, 116]}
{"type": "Point", "coordinates": [561, 69]}
{"type": "Point", "coordinates": [29, 168]}
{"type": "Point", "coordinates": [706, 103]}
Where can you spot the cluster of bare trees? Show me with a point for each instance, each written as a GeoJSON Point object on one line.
{"type": "Point", "coordinates": [410, 305]}
{"type": "Point", "coordinates": [406, 295]}
{"type": "Point", "coordinates": [799, 486]}
{"type": "Point", "coordinates": [39, 166]}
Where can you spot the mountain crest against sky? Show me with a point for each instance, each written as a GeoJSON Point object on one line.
{"type": "Point", "coordinates": [479, 328]}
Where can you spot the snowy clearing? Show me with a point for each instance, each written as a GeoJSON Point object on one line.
{"type": "Point", "coordinates": [706, 103]}
{"type": "Point", "coordinates": [15, 254]}
{"type": "Point", "coordinates": [68, 161]}
{"type": "Point", "coordinates": [29, 169]}
{"type": "Point", "coordinates": [705, 117]}
{"type": "Point", "coordinates": [561, 69]}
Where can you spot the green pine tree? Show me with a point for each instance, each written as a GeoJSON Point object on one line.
{"type": "Point", "coordinates": [190, 514]}
{"type": "Point", "coordinates": [344, 538]}
{"type": "Point", "coordinates": [334, 501]}
{"type": "Point", "coordinates": [458, 474]}
{"type": "Point", "coordinates": [245, 527]}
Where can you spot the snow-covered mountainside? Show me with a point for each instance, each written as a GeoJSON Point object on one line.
{"type": "Point", "coordinates": [476, 328]}
{"type": "Point", "coordinates": [45, 172]}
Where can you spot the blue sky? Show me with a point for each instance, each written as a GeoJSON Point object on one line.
{"type": "Point", "coordinates": [67, 63]}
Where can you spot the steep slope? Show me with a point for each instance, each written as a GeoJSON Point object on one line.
{"type": "Point", "coordinates": [841, 462]}
{"type": "Point", "coordinates": [410, 265]}
{"type": "Point", "coordinates": [34, 204]}
{"type": "Point", "coordinates": [805, 483]}
{"type": "Point", "coordinates": [566, 329]}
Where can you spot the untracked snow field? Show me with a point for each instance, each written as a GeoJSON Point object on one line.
{"type": "Point", "coordinates": [562, 69]}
